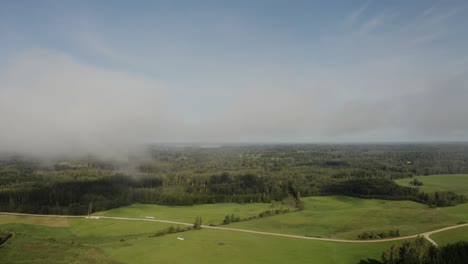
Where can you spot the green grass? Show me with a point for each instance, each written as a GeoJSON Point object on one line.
{"type": "Point", "coordinates": [28, 246]}
{"type": "Point", "coordinates": [347, 217]}
{"type": "Point", "coordinates": [210, 213]}
{"type": "Point", "coordinates": [103, 230]}
{"type": "Point", "coordinates": [325, 216]}
{"type": "Point", "coordinates": [451, 236]}
{"type": "Point", "coordinates": [43, 221]}
{"type": "Point", "coordinates": [459, 212]}
{"type": "Point", "coordinates": [457, 183]}
{"type": "Point", "coordinates": [73, 244]}
{"type": "Point", "coordinates": [91, 231]}
{"type": "Point", "coordinates": [80, 240]}
{"type": "Point", "coordinates": [218, 246]}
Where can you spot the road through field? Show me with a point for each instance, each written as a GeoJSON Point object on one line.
{"type": "Point", "coordinates": [425, 234]}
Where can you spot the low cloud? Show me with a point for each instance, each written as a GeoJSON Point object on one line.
{"type": "Point", "coordinates": [51, 104]}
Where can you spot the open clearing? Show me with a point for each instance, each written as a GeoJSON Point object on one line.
{"type": "Point", "coordinates": [39, 244]}
{"type": "Point", "coordinates": [81, 240]}
{"type": "Point", "coordinates": [41, 221]}
{"type": "Point", "coordinates": [218, 246]}
{"type": "Point", "coordinates": [210, 213]}
{"type": "Point", "coordinates": [457, 183]}
{"type": "Point", "coordinates": [347, 217]}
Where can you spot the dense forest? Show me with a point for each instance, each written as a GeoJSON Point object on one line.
{"type": "Point", "coordinates": [184, 175]}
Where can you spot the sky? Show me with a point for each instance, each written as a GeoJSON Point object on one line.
{"type": "Point", "coordinates": [93, 75]}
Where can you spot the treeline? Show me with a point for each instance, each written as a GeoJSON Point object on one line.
{"type": "Point", "coordinates": [240, 174]}
{"type": "Point", "coordinates": [380, 235]}
{"type": "Point", "coordinates": [420, 251]}
{"type": "Point", "coordinates": [233, 218]}
{"type": "Point", "coordinates": [82, 197]}
{"type": "Point", "coordinates": [170, 230]}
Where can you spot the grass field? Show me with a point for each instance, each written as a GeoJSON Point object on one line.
{"type": "Point", "coordinates": [325, 216]}
{"type": "Point", "coordinates": [451, 236]}
{"type": "Point", "coordinates": [210, 213]}
{"type": "Point", "coordinates": [40, 244]}
{"type": "Point", "coordinates": [457, 183]}
{"type": "Point", "coordinates": [42, 221]}
{"type": "Point", "coordinates": [80, 240]}
{"type": "Point", "coordinates": [217, 246]}
{"type": "Point", "coordinates": [347, 217]}
{"type": "Point", "coordinates": [88, 231]}
{"type": "Point", "coordinates": [96, 229]}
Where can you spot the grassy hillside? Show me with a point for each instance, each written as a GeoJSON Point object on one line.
{"type": "Point", "coordinates": [325, 216]}
{"type": "Point", "coordinates": [80, 240]}
{"type": "Point", "coordinates": [73, 244]}
{"type": "Point", "coordinates": [216, 246]}
{"type": "Point", "coordinates": [210, 213]}
{"type": "Point", "coordinates": [346, 217]}
{"type": "Point", "coordinates": [457, 183]}
{"type": "Point", "coordinates": [41, 221]}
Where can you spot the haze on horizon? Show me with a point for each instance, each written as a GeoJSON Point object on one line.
{"type": "Point", "coordinates": [88, 76]}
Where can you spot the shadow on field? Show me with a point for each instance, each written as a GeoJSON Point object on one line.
{"type": "Point", "coordinates": [369, 261]}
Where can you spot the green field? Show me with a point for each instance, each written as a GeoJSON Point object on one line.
{"type": "Point", "coordinates": [80, 240]}
{"type": "Point", "coordinates": [218, 246]}
{"type": "Point", "coordinates": [41, 244]}
{"type": "Point", "coordinates": [451, 236]}
{"type": "Point", "coordinates": [41, 221]}
{"type": "Point", "coordinates": [457, 183]}
{"type": "Point", "coordinates": [323, 216]}
{"type": "Point", "coordinates": [347, 217]}
{"type": "Point", "coordinates": [210, 213]}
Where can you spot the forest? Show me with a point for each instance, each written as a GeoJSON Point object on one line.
{"type": "Point", "coordinates": [192, 174]}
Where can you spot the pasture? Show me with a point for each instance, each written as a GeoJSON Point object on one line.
{"type": "Point", "coordinates": [83, 240]}
{"type": "Point", "coordinates": [41, 221]}
{"type": "Point", "coordinates": [41, 244]}
{"type": "Point", "coordinates": [457, 183]}
{"type": "Point", "coordinates": [219, 246]}
{"type": "Point", "coordinates": [347, 217]}
{"type": "Point", "coordinates": [210, 213]}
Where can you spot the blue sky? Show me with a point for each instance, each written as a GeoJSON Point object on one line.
{"type": "Point", "coordinates": [239, 70]}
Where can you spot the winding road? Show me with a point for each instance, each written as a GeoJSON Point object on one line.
{"type": "Point", "coordinates": [426, 235]}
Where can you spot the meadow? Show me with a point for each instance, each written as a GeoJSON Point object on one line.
{"type": "Point", "coordinates": [323, 216]}
{"type": "Point", "coordinates": [42, 244]}
{"type": "Point", "coordinates": [210, 213]}
{"type": "Point", "coordinates": [457, 183]}
{"type": "Point", "coordinates": [81, 240]}
{"type": "Point", "coordinates": [347, 217]}
{"type": "Point", "coordinates": [219, 246]}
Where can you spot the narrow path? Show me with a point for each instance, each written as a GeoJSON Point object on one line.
{"type": "Point", "coordinates": [425, 234]}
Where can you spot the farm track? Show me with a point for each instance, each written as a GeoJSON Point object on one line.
{"type": "Point", "coordinates": [426, 235]}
